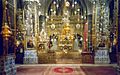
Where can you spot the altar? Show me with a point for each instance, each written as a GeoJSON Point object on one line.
{"type": "Point", "coordinates": [60, 57]}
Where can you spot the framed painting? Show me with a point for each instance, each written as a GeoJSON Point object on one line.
{"type": "Point", "coordinates": [30, 43]}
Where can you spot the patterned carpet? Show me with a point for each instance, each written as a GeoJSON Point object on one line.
{"type": "Point", "coordinates": [66, 70]}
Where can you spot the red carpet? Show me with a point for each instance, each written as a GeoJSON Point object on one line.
{"type": "Point", "coordinates": [65, 70]}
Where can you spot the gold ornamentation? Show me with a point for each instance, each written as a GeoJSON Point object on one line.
{"type": "Point", "coordinates": [78, 26]}
{"type": "Point", "coordinates": [53, 26]}
{"type": "Point", "coordinates": [6, 31]}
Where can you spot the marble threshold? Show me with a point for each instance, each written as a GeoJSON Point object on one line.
{"type": "Point", "coordinates": [113, 65]}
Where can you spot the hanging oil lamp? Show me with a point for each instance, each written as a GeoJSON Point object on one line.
{"type": "Point", "coordinates": [6, 33]}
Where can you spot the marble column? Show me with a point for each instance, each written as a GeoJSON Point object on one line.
{"type": "Point", "coordinates": [89, 17]}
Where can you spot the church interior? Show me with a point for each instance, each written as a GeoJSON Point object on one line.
{"type": "Point", "coordinates": [60, 37]}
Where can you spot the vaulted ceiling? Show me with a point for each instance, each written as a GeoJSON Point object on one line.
{"type": "Point", "coordinates": [86, 4]}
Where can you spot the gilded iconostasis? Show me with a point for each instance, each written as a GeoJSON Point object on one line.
{"type": "Point", "coordinates": [65, 21]}
{"type": "Point", "coordinates": [66, 27]}
{"type": "Point", "coordinates": [83, 29]}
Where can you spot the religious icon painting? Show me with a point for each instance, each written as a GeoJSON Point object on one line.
{"type": "Point", "coordinates": [30, 43]}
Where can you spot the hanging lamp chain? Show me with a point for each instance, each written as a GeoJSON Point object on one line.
{"type": "Point", "coordinates": [6, 18]}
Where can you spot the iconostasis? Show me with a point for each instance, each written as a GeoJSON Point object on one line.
{"type": "Point", "coordinates": [67, 26]}
{"type": "Point", "coordinates": [65, 20]}
{"type": "Point", "coordinates": [49, 28]}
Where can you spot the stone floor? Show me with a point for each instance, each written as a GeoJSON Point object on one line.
{"type": "Point", "coordinates": [66, 69]}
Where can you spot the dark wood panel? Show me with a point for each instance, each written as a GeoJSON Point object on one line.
{"type": "Point", "coordinates": [87, 57]}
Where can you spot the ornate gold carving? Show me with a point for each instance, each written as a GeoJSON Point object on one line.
{"type": "Point", "coordinates": [6, 31]}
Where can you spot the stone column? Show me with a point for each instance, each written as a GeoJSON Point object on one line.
{"type": "Point", "coordinates": [89, 17]}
